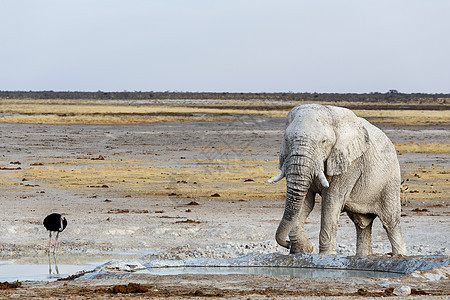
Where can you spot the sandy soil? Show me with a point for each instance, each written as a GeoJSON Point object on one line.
{"type": "Point", "coordinates": [173, 190]}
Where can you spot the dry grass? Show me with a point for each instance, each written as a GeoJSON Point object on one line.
{"type": "Point", "coordinates": [94, 112]}
{"type": "Point", "coordinates": [406, 117]}
{"type": "Point", "coordinates": [105, 119]}
{"type": "Point", "coordinates": [427, 182]}
{"type": "Point", "coordinates": [230, 179]}
{"type": "Point", "coordinates": [443, 148]}
{"type": "Point", "coordinates": [58, 111]}
{"type": "Point", "coordinates": [105, 109]}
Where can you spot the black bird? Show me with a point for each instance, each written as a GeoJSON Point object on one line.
{"type": "Point", "coordinates": [54, 222]}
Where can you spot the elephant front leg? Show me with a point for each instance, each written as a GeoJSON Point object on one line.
{"type": "Point", "coordinates": [299, 242]}
{"type": "Point", "coordinates": [331, 208]}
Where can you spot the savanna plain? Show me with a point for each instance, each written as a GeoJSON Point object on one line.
{"type": "Point", "coordinates": [152, 179]}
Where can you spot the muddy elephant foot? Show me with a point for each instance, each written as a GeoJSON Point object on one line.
{"type": "Point", "coordinates": [301, 247]}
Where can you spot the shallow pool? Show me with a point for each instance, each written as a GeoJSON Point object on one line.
{"type": "Point", "coordinates": [272, 271]}
{"type": "Point", "coordinates": [38, 272]}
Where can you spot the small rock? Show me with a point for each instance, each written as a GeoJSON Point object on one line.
{"type": "Point", "coordinates": [127, 289]}
{"type": "Point", "coordinates": [123, 266]}
{"type": "Point", "coordinates": [403, 290]}
{"type": "Point", "coordinates": [100, 157]}
{"type": "Point", "coordinates": [188, 221]}
{"type": "Point", "coordinates": [363, 292]}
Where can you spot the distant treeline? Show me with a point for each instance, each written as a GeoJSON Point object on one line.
{"type": "Point", "coordinates": [391, 96]}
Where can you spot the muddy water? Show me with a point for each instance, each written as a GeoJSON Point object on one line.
{"type": "Point", "coordinates": [45, 268]}
{"type": "Point", "coordinates": [38, 272]}
{"type": "Point", "coordinates": [273, 271]}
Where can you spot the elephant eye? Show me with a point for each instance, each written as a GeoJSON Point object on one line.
{"type": "Point", "coordinates": [323, 141]}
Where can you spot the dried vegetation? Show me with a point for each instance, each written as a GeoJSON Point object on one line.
{"type": "Point", "coordinates": [95, 111]}
{"type": "Point", "coordinates": [232, 179]}
{"type": "Point", "coordinates": [228, 178]}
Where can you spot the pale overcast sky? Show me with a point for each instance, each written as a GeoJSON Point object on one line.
{"type": "Point", "coordinates": [231, 46]}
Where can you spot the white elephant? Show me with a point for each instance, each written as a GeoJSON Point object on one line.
{"type": "Point", "coordinates": [352, 164]}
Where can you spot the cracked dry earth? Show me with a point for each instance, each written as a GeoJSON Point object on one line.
{"type": "Point", "coordinates": [170, 190]}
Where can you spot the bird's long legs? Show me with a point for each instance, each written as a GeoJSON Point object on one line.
{"type": "Point", "coordinates": [49, 264]}
{"type": "Point", "coordinates": [56, 242]}
{"type": "Point", "coordinates": [49, 241]}
{"type": "Point", "coordinates": [56, 264]}
{"type": "Point", "coordinates": [54, 253]}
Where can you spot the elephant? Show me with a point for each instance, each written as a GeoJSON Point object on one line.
{"type": "Point", "coordinates": [351, 164]}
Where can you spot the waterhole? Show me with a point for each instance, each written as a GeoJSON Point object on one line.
{"type": "Point", "coordinates": [273, 271]}
{"type": "Point", "coordinates": [302, 266]}
{"type": "Point", "coordinates": [38, 272]}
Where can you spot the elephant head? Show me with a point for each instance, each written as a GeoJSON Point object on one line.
{"type": "Point", "coordinates": [318, 141]}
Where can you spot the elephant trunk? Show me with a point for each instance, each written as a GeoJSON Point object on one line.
{"type": "Point", "coordinates": [299, 173]}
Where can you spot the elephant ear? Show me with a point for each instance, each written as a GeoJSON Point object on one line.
{"type": "Point", "coordinates": [352, 140]}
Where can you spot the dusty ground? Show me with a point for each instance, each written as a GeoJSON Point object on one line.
{"type": "Point", "coordinates": [194, 186]}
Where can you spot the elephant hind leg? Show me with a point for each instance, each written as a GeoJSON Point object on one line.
{"type": "Point", "coordinates": [392, 227]}
{"type": "Point", "coordinates": [363, 224]}
{"type": "Point", "coordinates": [390, 218]}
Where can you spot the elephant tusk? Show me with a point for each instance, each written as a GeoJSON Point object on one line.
{"type": "Point", "coordinates": [323, 180]}
{"type": "Point", "coordinates": [276, 178]}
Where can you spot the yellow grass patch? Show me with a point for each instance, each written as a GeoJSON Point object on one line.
{"type": "Point", "coordinates": [61, 111]}
{"type": "Point", "coordinates": [406, 117]}
{"type": "Point", "coordinates": [443, 148]}
{"type": "Point", "coordinates": [9, 178]}
{"type": "Point", "coordinates": [427, 182]}
{"type": "Point", "coordinates": [231, 179]}
{"type": "Point", "coordinates": [105, 119]}
{"type": "Point", "coordinates": [114, 109]}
